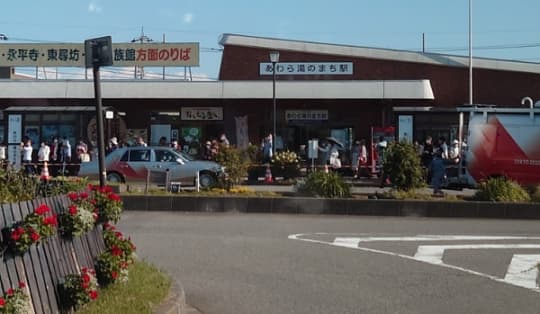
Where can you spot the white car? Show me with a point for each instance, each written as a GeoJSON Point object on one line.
{"type": "Point", "coordinates": [129, 164]}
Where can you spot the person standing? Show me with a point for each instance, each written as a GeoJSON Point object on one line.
{"type": "Point", "coordinates": [27, 156]}
{"type": "Point", "coordinates": [381, 147]}
{"type": "Point", "coordinates": [266, 148]}
{"type": "Point", "coordinates": [324, 149]}
{"type": "Point", "coordinates": [140, 142]}
{"type": "Point", "coordinates": [2, 152]}
{"type": "Point", "coordinates": [443, 147]}
{"type": "Point", "coordinates": [54, 156]}
{"type": "Point", "coordinates": [362, 158]}
{"type": "Point", "coordinates": [44, 152]}
{"type": "Point", "coordinates": [66, 150]}
{"type": "Point", "coordinates": [437, 170]}
{"type": "Point", "coordinates": [355, 157]}
{"type": "Point", "coordinates": [224, 140]}
{"type": "Point", "coordinates": [454, 153]}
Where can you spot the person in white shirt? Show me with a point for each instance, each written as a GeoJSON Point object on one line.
{"type": "Point", "coordinates": [453, 152]}
{"type": "Point", "coordinates": [44, 152]}
{"type": "Point", "coordinates": [2, 152]}
{"type": "Point", "coordinates": [27, 156]}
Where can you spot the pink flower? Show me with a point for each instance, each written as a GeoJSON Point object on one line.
{"type": "Point", "coordinates": [73, 196]}
{"type": "Point", "coordinates": [15, 236]}
{"type": "Point", "coordinates": [93, 294]}
{"type": "Point", "coordinates": [83, 195]}
{"type": "Point", "coordinates": [10, 292]}
{"type": "Point", "coordinates": [51, 220]}
{"type": "Point", "coordinates": [72, 210]}
{"type": "Point", "coordinates": [116, 251]}
{"type": "Point", "coordinates": [35, 236]}
{"type": "Point", "coordinates": [22, 285]}
{"type": "Point", "coordinates": [114, 275]}
{"type": "Point", "coordinates": [114, 197]}
{"type": "Point", "coordinates": [2, 302]}
{"type": "Point", "coordinates": [42, 209]}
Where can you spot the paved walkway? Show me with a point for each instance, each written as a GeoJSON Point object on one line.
{"type": "Point", "coordinates": [362, 187]}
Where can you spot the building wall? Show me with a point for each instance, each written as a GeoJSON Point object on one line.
{"type": "Point", "coordinates": [450, 84]}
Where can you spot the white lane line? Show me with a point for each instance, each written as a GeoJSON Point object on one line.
{"type": "Point", "coordinates": [347, 242]}
{"type": "Point", "coordinates": [445, 238]}
{"type": "Point", "coordinates": [433, 254]}
{"type": "Point", "coordinates": [302, 237]}
{"type": "Point", "coordinates": [523, 270]}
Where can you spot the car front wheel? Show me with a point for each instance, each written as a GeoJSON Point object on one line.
{"type": "Point", "coordinates": [114, 177]}
{"type": "Point", "coordinates": [206, 180]}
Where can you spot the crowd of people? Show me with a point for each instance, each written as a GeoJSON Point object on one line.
{"type": "Point", "coordinates": [208, 151]}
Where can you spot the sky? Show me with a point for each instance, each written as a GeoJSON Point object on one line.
{"type": "Point", "coordinates": [501, 29]}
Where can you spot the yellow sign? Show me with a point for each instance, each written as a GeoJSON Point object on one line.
{"type": "Point", "coordinates": [72, 55]}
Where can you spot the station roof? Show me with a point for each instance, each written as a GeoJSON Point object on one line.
{"type": "Point", "coordinates": [137, 89]}
{"type": "Point", "coordinates": [377, 53]}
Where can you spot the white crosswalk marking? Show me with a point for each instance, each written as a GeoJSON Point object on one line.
{"type": "Point", "coordinates": [433, 254]}
{"type": "Point", "coordinates": [523, 270]}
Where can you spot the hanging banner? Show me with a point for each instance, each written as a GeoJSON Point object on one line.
{"type": "Point", "coordinates": [72, 54]}
{"type": "Point", "coordinates": [242, 138]}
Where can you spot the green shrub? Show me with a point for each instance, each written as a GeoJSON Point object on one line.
{"type": "Point", "coordinates": [323, 184]}
{"type": "Point", "coordinates": [402, 165]}
{"type": "Point", "coordinates": [236, 165]}
{"type": "Point", "coordinates": [17, 186]}
{"type": "Point", "coordinates": [501, 190]}
{"type": "Point", "coordinates": [251, 153]}
{"type": "Point", "coordinates": [535, 195]}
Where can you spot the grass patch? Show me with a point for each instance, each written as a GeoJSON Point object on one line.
{"type": "Point", "coordinates": [234, 191]}
{"type": "Point", "coordinates": [415, 195]}
{"type": "Point", "coordinates": [146, 288]}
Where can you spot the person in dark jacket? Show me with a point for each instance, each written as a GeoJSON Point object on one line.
{"type": "Point", "coordinates": [437, 170]}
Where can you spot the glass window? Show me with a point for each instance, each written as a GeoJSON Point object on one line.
{"type": "Point", "coordinates": [164, 156]}
{"type": "Point", "coordinates": [125, 156]}
{"type": "Point", "coordinates": [139, 155]}
{"type": "Point", "coordinates": [32, 117]}
{"type": "Point", "coordinates": [50, 117]}
{"type": "Point", "coordinates": [68, 117]}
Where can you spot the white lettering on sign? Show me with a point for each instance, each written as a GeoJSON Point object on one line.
{"type": "Point", "coordinates": [307, 68]}
{"type": "Point", "coordinates": [202, 113]}
{"type": "Point", "coordinates": [531, 162]}
{"type": "Point", "coordinates": [72, 54]}
{"type": "Point", "coordinates": [306, 115]}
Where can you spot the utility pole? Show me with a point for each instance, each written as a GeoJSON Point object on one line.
{"type": "Point", "coordinates": [141, 39]}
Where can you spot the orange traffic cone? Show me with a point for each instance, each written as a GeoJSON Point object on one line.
{"type": "Point", "coordinates": [45, 172]}
{"type": "Point", "coordinates": [268, 175]}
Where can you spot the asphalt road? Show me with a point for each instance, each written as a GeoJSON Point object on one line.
{"type": "Point", "coordinates": [247, 263]}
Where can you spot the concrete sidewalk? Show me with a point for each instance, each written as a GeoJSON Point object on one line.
{"type": "Point", "coordinates": [364, 186]}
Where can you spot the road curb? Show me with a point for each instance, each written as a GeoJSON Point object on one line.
{"type": "Point", "coordinates": [175, 302]}
{"type": "Point", "coordinates": [307, 205]}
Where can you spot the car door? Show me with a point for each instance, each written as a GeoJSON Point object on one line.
{"type": "Point", "coordinates": [166, 159]}
{"type": "Point", "coordinates": [134, 163]}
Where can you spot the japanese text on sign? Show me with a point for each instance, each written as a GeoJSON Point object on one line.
{"type": "Point", "coordinates": [307, 68]}
{"type": "Point", "coordinates": [306, 114]}
{"type": "Point", "coordinates": [202, 113]}
{"type": "Point", "coordinates": [68, 55]}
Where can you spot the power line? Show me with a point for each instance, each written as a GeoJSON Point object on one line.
{"type": "Point", "coordinates": [488, 47]}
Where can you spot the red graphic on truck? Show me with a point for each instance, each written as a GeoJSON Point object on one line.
{"type": "Point", "coordinates": [504, 142]}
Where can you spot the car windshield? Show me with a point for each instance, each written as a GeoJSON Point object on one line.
{"type": "Point", "coordinates": [185, 156]}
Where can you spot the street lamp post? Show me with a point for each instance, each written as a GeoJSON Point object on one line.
{"type": "Point", "coordinates": [274, 58]}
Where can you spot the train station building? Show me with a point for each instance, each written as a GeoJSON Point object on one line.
{"type": "Point", "coordinates": [321, 89]}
